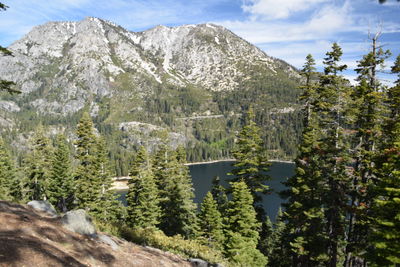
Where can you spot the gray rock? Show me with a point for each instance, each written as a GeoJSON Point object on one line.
{"type": "Point", "coordinates": [43, 205]}
{"type": "Point", "coordinates": [198, 262]}
{"type": "Point", "coordinates": [107, 240]}
{"type": "Point", "coordinates": [79, 222]}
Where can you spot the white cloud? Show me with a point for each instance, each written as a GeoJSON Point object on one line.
{"type": "Point", "coordinates": [323, 23]}
{"type": "Point", "coordinates": [272, 9]}
{"type": "Point", "coordinates": [330, 19]}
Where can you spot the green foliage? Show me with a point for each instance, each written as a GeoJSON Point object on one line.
{"type": "Point", "coordinates": [87, 181]}
{"type": "Point", "coordinates": [219, 195]}
{"type": "Point", "coordinates": [210, 222]}
{"type": "Point", "coordinates": [369, 110]}
{"type": "Point", "coordinates": [251, 160]}
{"type": "Point", "coordinates": [386, 221]}
{"type": "Point", "coordinates": [174, 244]}
{"type": "Point", "coordinates": [241, 214]}
{"type": "Point", "coordinates": [10, 189]}
{"type": "Point", "coordinates": [303, 212]}
{"type": "Point", "coordinates": [266, 243]}
{"type": "Point", "coordinates": [106, 208]}
{"type": "Point", "coordinates": [332, 108]}
{"type": "Point", "coordinates": [142, 198]}
{"type": "Point", "coordinates": [318, 196]}
{"type": "Point", "coordinates": [176, 193]}
{"type": "Point", "coordinates": [61, 184]}
{"type": "Point", "coordinates": [279, 247]}
{"type": "Point", "coordinates": [93, 178]}
{"type": "Point", "coordinates": [242, 228]}
{"type": "Point", "coordinates": [38, 167]}
{"type": "Point", "coordinates": [242, 252]}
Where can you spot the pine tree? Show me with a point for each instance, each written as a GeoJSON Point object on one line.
{"type": "Point", "coordinates": [242, 233]}
{"type": "Point", "coordinates": [88, 187]}
{"type": "Point", "coordinates": [8, 176]}
{"type": "Point", "coordinates": [368, 102]}
{"type": "Point", "coordinates": [386, 222]}
{"type": "Point", "coordinates": [332, 108]}
{"type": "Point", "coordinates": [176, 194]}
{"type": "Point", "coordinates": [251, 161]}
{"type": "Point", "coordinates": [219, 195]}
{"type": "Point", "coordinates": [211, 223]}
{"type": "Point", "coordinates": [93, 177]}
{"type": "Point", "coordinates": [38, 167]}
{"type": "Point", "coordinates": [279, 253]}
{"type": "Point", "coordinates": [304, 213]}
{"type": "Point", "coordinates": [106, 208]}
{"type": "Point", "coordinates": [266, 238]}
{"type": "Point", "coordinates": [61, 184]}
{"type": "Point", "coordinates": [142, 198]}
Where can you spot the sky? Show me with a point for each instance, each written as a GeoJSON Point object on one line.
{"type": "Point", "coordinates": [285, 29]}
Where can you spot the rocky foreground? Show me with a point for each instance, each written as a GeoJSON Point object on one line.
{"type": "Point", "coordinates": [29, 237]}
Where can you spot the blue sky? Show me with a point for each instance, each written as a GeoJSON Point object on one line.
{"type": "Point", "coordinates": [286, 29]}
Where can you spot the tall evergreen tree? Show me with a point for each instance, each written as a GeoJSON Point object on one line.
{"type": "Point", "coordinates": [61, 184]}
{"type": "Point", "coordinates": [368, 102]}
{"type": "Point", "coordinates": [242, 233]}
{"type": "Point", "coordinates": [386, 208]}
{"type": "Point", "coordinates": [266, 243]}
{"type": "Point", "coordinates": [218, 193]}
{"type": "Point", "coordinates": [142, 199]}
{"type": "Point", "coordinates": [211, 223]}
{"type": "Point", "coordinates": [107, 208]}
{"type": "Point", "coordinates": [93, 178]}
{"type": "Point", "coordinates": [279, 248]}
{"type": "Point", "coordinates": [38, 168]}
{"type": "Point", "coordinates": [332, 108]}
{"type": "Point", "coordinates": [88, 186]}
{"type": "Point", "coordinates": [251, 162]}
{"type": "Point", "coordinates": [176, 193]}
{"type": "Point", "coordinates": [304, 213]}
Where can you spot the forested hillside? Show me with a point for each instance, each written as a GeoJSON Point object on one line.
{"type": "Point", "coordinates": [193, 81]}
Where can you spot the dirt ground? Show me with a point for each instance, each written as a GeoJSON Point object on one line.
{"type": "Point", "coordinates": [31, 238]}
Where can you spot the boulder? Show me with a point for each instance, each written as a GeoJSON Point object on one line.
{"type": "Point", "coordinates": [79, 222]}
{"type": "Point", "coordinates": [198, 262]}
{"type": "Point", "coordinates": [107, 240]}
{"type": "Point", "coordinates": [43, 205]}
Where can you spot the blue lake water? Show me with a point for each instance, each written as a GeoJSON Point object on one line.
{"type": "Point", "coordinates": [203, 174]}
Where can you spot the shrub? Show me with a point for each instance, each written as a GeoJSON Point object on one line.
{"type": "Point", "coordinates": [174, 244]}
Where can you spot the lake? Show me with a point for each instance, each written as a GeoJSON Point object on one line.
{"type": "Point", "coordinates": [203, 174]}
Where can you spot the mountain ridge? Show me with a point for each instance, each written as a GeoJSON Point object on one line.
{"type": "Point", "coordinates": [155, 77]}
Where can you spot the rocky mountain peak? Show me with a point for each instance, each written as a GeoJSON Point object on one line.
{"type": "Point", "coordinates": [86, 59]}
{"type": "Point", "coordinates": [188, 80]}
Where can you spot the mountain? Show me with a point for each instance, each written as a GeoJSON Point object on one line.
{"type": "Point", "coordinates": [193, 81]}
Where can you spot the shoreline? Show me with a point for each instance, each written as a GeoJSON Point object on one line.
{"type": "Point", "coordinates": [282, 161]}
{"type": "Point", "coordinates": [227, 160]}
{"type": "Point", "coordinates": [208, 162]}
{"type": "Point", "coordinates": [122, 185]}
